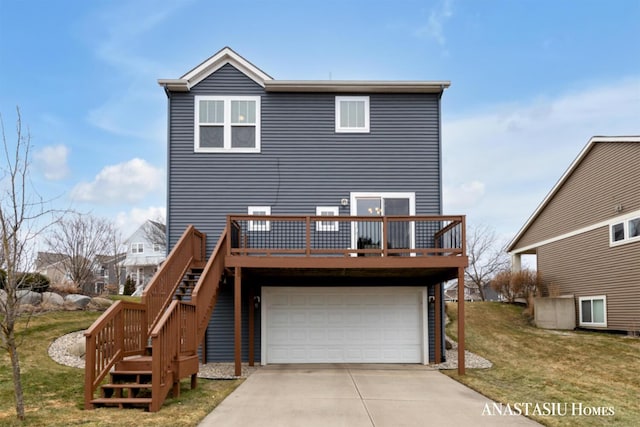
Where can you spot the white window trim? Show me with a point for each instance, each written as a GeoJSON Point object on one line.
{"type": "Point", "coordinates": [327, 225]}
{"type": "Point", "coordinates": [354, 196]}
{"type": "Point", "coordinates": [226, 125]}
{"type": "Point", "coordinates": [624, 220]}
{"type": "Point", "coordinates": [259, 225]}
{"type": "Point", "coordinates": [591, 298]}
{"type": "Point", "coordinates": [138, 246]}
{"type": "Point", "coordinates": [340, 129]}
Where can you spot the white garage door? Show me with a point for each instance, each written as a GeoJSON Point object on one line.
{"type": "Point", "coordinates": [343, 325]}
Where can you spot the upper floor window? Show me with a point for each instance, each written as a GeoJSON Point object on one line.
{"type": "Point", "coordinates": [259, 225]}
{"type": "Point", "coordinates": [137, 248]}
{"type": "Point", "coordinates": [227, 123]}
{"type": "Point", "coordinates": [157, 247]}
{"type": "Point", "coordinates": [352, 114]}
{"type": "Point", "coordinates": [625, 231]}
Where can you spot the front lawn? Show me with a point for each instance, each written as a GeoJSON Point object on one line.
{"type": "Point", "coordinates": [54, 393]}
{"type": "Point", "coordinates": [536, 366]}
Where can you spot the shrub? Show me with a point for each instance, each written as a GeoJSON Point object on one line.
{"type": "Point", "coordinates": [129, 286]}
{"type": "Point", "coordinates": [32, 281]}
{"type": "Point", "coordinates": [35, 282]}
{"type": "Point", "coordinates": [521, 284]}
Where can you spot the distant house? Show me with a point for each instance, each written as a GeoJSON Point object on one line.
{"type": "Point", "coordinates": [107, 270]}
{"type": "Point", "coordinates": [586, 235]}
{"type": "Point", "coordinates": [470, 294]}
{"type": "Point", "coordinates": [146, 250]}
{"type": "Point", "coordinates": [52, 265]}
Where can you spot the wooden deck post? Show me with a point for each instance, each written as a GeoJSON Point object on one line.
{"type": "Point", "coordinates": [237, 311]}
{"type": "Point", "coordinates": [438, 326]}
{"type": "Point", "coordinates": [461, 362]}
{"type": "Point", "coordinates": [251, 327]}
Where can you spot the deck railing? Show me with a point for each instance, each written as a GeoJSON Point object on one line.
{"type": "Point", "coordinates": [346, 235]}
{"type": "Point", "coordinates": [120, 332]}
{"type": "Point", "coordinates": [157, 295]}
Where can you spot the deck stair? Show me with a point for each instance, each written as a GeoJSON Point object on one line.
{"type": "Point", "coordinates": [138, 352]}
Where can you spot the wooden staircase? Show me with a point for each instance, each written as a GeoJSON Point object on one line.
{"type": "Point", "coordinates": [138, 352]}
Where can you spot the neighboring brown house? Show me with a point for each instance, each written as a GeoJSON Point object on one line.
{"type": "Point", "coordinates": [586, 235]}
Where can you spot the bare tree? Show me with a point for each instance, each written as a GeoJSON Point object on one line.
{"type": "Point", "coordinates": [22, 214]}
{"type": "Point", "coordinates": [80, 239]}
{"type": "Point", "coordinates": [156, 232]}
{"type": "Point", "coordinates": [486, 258]}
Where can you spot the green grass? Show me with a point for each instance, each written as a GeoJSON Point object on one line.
{"type": "Point", "coordinates": [54, 393]}
{"type": "Point", "coordinates": [537, 365]}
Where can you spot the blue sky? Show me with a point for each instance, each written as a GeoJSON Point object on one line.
{"type": "Point", "coordinates": [532, 81]}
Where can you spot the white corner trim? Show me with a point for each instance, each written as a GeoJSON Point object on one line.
{"type": "Point", "coordinates": [606, 223]}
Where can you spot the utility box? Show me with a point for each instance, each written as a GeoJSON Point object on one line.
{"type": "Point", "coordinates": [555, 312]}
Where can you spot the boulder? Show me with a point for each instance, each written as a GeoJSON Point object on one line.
{"type": "Point", "coordinates": [78, 348]}
{"type": "Point", "coordinates": [52, 299]}
{"type": "Point", "coordinates": [28, 297]}
{"type": "Point", "coordinates": [79, 301]}
{"type": "Point", "coordinates": [102, 302]}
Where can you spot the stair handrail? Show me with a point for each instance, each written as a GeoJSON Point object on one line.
{"type": "Point", "coordinates": [108, 342]}
{"type": "Point", "coordinates": [170, 338]}
{"type": "Point", "coordinates": [205, 293]}
{"type": "Point", "coordinates": [157, 296]}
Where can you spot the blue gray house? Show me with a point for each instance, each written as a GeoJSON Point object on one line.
{"type": "Point", "coordinates": [305, 219]}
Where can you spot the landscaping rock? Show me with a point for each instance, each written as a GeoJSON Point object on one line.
{"type": "Point", "coordinates": [28, 297]}
{"type": "Point", "coordinates": [80, 301]}
{"type": "Point", "coordinates": [52, 299]}
{"type": "Point", "coordinates": [78, 348]}
{"type": "Point", "coordinates": [101, 303]}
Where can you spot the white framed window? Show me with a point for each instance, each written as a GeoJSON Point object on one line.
{"type": "Point", "coordinates": [352, 114]}
{"type": "Point", "coordinates": [327, 225]}
{"type": "Point", "coordinates": [259, 225]}
{"type": "Point", "coordinates": [624, 230]}
{"type": "Point", "coordinates": [137, 248]}
{"type": "Point", "coordinates": [227, 124]}
{"type": "Point", "coordinates": [593, 311]}
{"type": "Point", "coordinates": [157, 247]}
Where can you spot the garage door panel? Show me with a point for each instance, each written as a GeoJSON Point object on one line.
{"type": "Point", "coordinates": [352, 325]}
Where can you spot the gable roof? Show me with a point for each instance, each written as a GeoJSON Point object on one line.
{"type": "Point", "coordinates": [221, 58]}
{"type": "Point", "coordinates": [228, 56]}
{"type": "Point", "coordinates": [574, 165]}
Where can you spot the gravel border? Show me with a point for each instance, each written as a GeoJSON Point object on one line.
{"type": "Point", "coordinates": [59, 352]}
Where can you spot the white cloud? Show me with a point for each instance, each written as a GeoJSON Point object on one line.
{"type": "Point", "coordinates": [52, 161]}
{"type": "Point", "coordinates": [463, 196]}
{"type": "Point", "coordinates": [438, 16]}
{"type": "Point", "coordinates": [128, 222]}
{"type": "Point", "coordinates": [520, 151]}
{"type": "Point", "coordinates": [129, 182]}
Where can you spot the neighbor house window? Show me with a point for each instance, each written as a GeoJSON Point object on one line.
{"type": "Point", "coordinates": [593, 311]}
{"type": "Point", "coordinates": [327, 225]}
{"type": "Point", "coordinates": [227, 123]}
{"type": "Point", "coordinates": [259, 225]}
{"type": "Point", "coordinates": [625, 231]}
{"type": "Point", "coordinates": [157, 247]}
{"type": "Point", "coordinates": [137, 248]}
{"type": "Point", "coordinates": [352, 114]}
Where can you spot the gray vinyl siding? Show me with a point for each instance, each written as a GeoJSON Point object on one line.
{"type": "Point", "coordinates": [607, 176]}
{"type": "Point", "coordinates": [303, 163]}
{"type": "Point", "coordinates": [585, 265]}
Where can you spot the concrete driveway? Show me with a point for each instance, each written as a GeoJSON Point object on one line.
{"type": "Point", "coordinates": [354, 396]}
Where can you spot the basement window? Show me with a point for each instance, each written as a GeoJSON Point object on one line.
{"type": "Point", "coordinates": [593, 311]}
